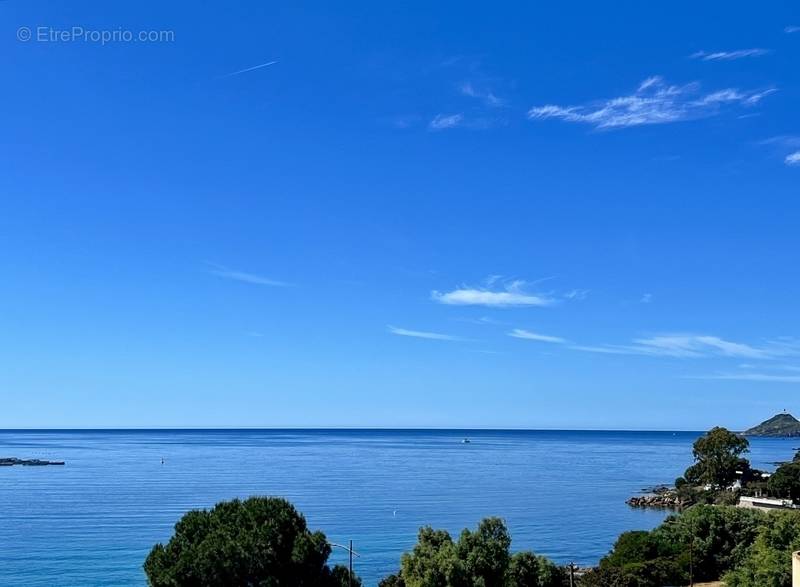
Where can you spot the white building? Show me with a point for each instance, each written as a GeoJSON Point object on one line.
{"type": "Point", "coordinates": [796, 569]}
{"type": "Point", "coordinates": [766, 503]}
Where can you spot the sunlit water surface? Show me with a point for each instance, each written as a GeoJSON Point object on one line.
{"type": "Point", "coordinates": [93, 521]}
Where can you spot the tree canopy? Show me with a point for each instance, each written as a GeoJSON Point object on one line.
{"type": "Point", "coordinates": [768, 561]}
{"type": "Point", "coordinates": [717, 455]}
{"type": "Point", "coordinates": [258, 542]}
{"type": "Point", "coordinates": [703, 543]}
{"type": "Point", "coordinates": [785, 482]}
{"type": "Point", "coordinates": [529, 570]}
{"type": "Point", "coordinates": [479, 558]}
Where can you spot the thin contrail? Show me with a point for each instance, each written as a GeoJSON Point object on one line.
{"type": "Point", "coordinates": [241, 71]}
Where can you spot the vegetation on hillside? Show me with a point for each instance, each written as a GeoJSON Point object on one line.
{"type": "Point", "coordinates": [785, 482]}
{"type": "Point", "coordinates": [749, 548]}
{"type": "Point", "coordinates": [780, 425]}
{"type": "Point", "coordinates": [701, 544]}
{"type": "Point", "coordinates": [718, 465]}
{"type": "Point", "coordinates": [766, 563]}
{"type": "Point", "coordinates": [720, 473]}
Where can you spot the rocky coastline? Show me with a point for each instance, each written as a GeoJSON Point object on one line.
{"type": "Point", "coordinates": [662, 497]}
{"type": "Point", "coordinates": [11, 461]}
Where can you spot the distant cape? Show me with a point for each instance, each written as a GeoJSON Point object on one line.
{"type": "Point", "coordinates": [781, 425]}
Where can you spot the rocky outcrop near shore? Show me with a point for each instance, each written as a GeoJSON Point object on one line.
{"type": "Point", "coordinates": [659, 498]}
{"type": "Point", "coordinates": [10, 462]}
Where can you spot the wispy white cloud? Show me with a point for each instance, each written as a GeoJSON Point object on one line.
{"type": "Point", "coordinates": [792, 29]}
{"type": "Point", "coordinates": [576, 294]}
{"type": "Point", "coordinates": [252, 278]}
{"type": "Point", "coordinates": [604, 350]}
{"type": "Point", "coordinates": [486, 96]}
{"type": "Point", "coordinates": [764, 377]}
{"type": "Point", "coordinates": [729, 55]}
{"type": "Point", "coordinates": [653, 102]}
{"type": "Point", "coordinates": [733, 96]}
{"type": "Point", "coordinates": [528, 335]}
{"type": "Point", "coordinates": [249, 69]}
{"type": "Point", "coordinates": [513, 294]}
{"type": "Point", "coordinates": [482, 321]}
{"type": "Point", "coordinates": [696, 346]}
{"type": "Point", "coordinates": [422, 334]}
{"type": "Point", "coordinates": [445, 121]}
{"type": "Point", "coordinates": [646, 298]}
{"type": "Point", "coordinates": [781, 141]}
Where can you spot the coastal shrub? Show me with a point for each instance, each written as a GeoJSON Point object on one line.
{"type": "Point", "coordinates": [652, 573]}
{"type": "Point", "coordinates": [634, 547]}
{"type": "Point", "coordinates": [729, 498]}
{"type": "Point", "coordinates": [610, 577]}
{"type": "Point", "coordinates": [689, 494]}
{"type": "Point", "coordinates": [712, 539]}
{"type": "Point", "coordinates": [479, 558]}
{"type": "Point", "coordinates": [639, 559]}
{"type": "Point", "coordinates": [703, 542]}
{"type": "Point", "coordinates": [261, 541]}
{"type": "Point", "coordinates": [768, 562]}
{"type": "Point", "coordinates": [433, 562]}
{"type": "Point", "coordinates": [529, 570]}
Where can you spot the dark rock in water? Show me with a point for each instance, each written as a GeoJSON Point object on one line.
{"type": "Point", "coordinates": [10, 462]}
{"type": "Point", "coordinates": [782, 425]}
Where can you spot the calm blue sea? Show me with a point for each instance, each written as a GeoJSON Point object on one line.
{"type": "Point", "coordinates": [93, 521]}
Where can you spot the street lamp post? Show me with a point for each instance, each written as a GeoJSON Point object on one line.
{"type": "Point", "coordinates": [352, 553]}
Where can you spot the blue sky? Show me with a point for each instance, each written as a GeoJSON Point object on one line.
{"type": "Point", "coordinates": [308, 214]}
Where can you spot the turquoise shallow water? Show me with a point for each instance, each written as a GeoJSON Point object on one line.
{"type": "Point", "coordinates": [92, 522]}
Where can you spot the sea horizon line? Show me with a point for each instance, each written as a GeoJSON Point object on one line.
{"type": "Point", "coordinates": [337, 429]}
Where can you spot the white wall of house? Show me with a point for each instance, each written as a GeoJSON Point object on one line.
{"type": "Point", "coordinates": [796, 569]}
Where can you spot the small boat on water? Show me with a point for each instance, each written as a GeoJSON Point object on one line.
{"type": "Point", "coordinates": [466, 441]}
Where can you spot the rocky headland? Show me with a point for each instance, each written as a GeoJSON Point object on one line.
{"type": "Point", "coordinates": [779, 426]}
